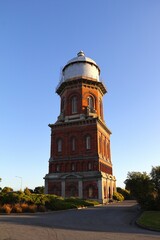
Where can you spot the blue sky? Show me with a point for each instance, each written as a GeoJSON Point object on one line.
{"type": "Point", "coordinates": [37, 38]}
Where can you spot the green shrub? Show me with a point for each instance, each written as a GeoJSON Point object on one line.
{"type": "Point", "coordinates": [7, 189]}
{"type": "Point", "coordinates": [27, 199]}
{"type": "Point", "coordinates": [39, 190]}
{"type": "Point", "coordinates": [39, 199]}
{"type": "Point", "coordinates": [41, 208]}
{"type": "Point", "coordinates": [10, 198]}
{"type": "Point", "coordinates": [27, 191]}
{"type": "Point", "coordinates": [59, 204]}
{"type": "Point", "coordinates": [91, 203]}
{"type": "Point", "coordinates": [81, 202]}
{"type": "Point", "coordinates": [22, 202]}
{"type": "Point", "coordinates": [76, 201]}
{"type": "Point", "coordinates": [150, 203]}
{"type": "Point", "coordinates": [118, 196]}
{"type": "Point", "coordinates": [126, 194]}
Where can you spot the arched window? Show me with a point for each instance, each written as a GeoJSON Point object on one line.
{"type": "Point", "coordinates": [88, 142]}
{"type": "Point", "coordinates": [59, 145]}
{"type": "Point", "coordinates": [90, 102]}
{"type": "Point", "coordinates": [74, 104]}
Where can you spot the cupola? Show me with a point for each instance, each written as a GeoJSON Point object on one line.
{"type": "Point", "coordinates": [80, 66]}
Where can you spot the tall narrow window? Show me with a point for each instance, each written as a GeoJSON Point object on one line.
{"type": "Point", "coordinates": [88, 142]}
{"type": "Point", "coordinates": [62, 105]}
{"type": "Point", "coordinates": [74, 104]}
{"type": "Point", "coordinates": [108, 151]}
{"type": "Point", "coordinates": [90, 102]}
{"type": "Point", "coordinates": [59, 145]}
{"type": "Point", "coordinates": [89, 166]}
{"type": "Point", "coordinates": [57, 168]}
{"type": "Point", "coordinates": [105, 148]}
{"type": "Point", "coordinates": [90, 192]}
{"type": "Point", "coordinates": [72, 167]}
{"type": "Point", "coordinates": [73, 144]}
{"type": "Point", "coordinates": [101, 108]}
{"type": "Point", "coordinates": [100, 145]}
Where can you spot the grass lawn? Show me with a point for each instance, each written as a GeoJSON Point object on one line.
{"type": "Point", "coordinates": [150, 219]}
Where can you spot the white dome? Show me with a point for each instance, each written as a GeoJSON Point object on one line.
{"type": "Point", "coordinates": [81, 66]}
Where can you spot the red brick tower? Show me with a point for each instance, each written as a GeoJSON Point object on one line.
{"type": "Point", "coordinates": [80, 160]}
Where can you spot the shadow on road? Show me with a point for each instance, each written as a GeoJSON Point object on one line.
{"type": "Point", "coordinates": [117, 218]}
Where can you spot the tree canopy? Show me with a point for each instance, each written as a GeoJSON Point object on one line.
{"type": "Point", "coordinates": [39, 190]}
{"type": "Point", "coordinates": [7, 189]}
{"type": "Point", "coordinates": [155, 175]}
{"type": "Point", "coordinates": [145, 188]}
{"type": "Point", "coordinates": [139, 184]}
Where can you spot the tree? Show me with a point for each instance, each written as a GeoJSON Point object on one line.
{"type": "Point", "coordinates": [139, 185]}
{"type": "Point", "coordinates": [27, 191]}
{"type": "Point", "coordinates": [39, 190]}
{"type": "Point", "coordinates": [0, 187]}
{"type": "Point", "coordinates": [145, 188]}
{"type": "Point", "coordinates": [155, 176]}
{"type": "Point", "coordinates": [7, 190]}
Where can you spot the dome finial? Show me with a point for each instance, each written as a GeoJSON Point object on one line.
{"type": "Point", "coordinates": [81, 53]}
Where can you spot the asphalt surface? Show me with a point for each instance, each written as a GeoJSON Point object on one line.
{"type": "Point", "coordinates": [110, 222]}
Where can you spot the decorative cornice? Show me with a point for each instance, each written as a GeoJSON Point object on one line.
{"type": "Point", "coordinates": [81, 80]}
{"type": "Point", "coordinates": [88, 121]}
{"type": "Point", "coordinates": [73, 158]}
{"type": "Point", "coordinates": [71, 123]}
{"type": "Point", "coordinates": [104, 125]}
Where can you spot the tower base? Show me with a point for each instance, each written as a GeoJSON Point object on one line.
{"type": "Point", "coordinates": [86, 185]}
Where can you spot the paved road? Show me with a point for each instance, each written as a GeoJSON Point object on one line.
{"type": "Point", "coordinates": [111, 222]}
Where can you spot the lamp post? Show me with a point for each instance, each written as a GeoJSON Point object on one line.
{"type": "Point", "coordinates": [21, 181]}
